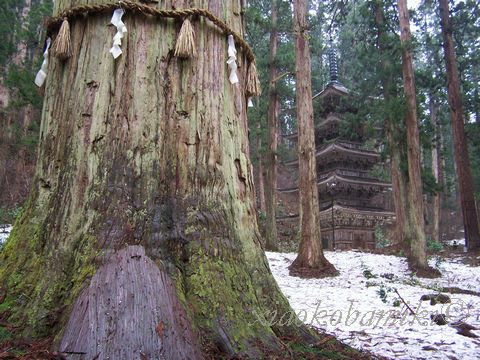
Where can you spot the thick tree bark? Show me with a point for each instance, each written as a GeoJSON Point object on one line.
{"type": "Point", "coordinates": [310, 260]}
{"type": "Point", "coordinates": [418, 255]}
{"type": "Point", "coordinates": [437, 166]}
{"type": "Point", "coordinates": [140, 239]}
{"type": "Point", "coordinates": [462, 160]}
{"type": "Point", "coordinates": [272, 125]}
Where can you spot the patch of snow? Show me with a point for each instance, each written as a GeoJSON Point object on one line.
{"type": "Point", "coordinates": [4, 232]}
{"type": "Point", "coordinates": [350, 306]}
{"type": "Point", "coordinates": [456, 242]}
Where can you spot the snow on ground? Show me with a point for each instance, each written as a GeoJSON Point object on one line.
{"type": "Point", "coordinates": [351, 307]}
{"type": "Point", "coordinates": [455, 242]}
{"type": "Point", "coordinates": [4, 232]}
{"type": "Point", "coordinates": [358, 306]}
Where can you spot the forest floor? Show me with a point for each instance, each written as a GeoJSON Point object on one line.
{"type": "Point", "coordinates": [364, 306]}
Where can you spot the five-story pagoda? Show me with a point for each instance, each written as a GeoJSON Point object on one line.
{"type": "Point", "coordinates": [352, 201]}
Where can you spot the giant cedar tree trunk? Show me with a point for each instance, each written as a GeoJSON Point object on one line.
{"type": "Point", "coordinates": [393, 132]}
{"type": "Point", "coordinates": [462, 160]}
{"type": "Point", "coordinates": [139, 239]}
{"type": "Point", "coordinates": [310, 260]}
{"type": "Point", "coordinates": [272, 126]}
{"type": "Point", "coordinates": [418, 255]}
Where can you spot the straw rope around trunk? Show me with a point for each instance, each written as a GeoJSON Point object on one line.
{"type": "Point", "coordinates": [82, 10]}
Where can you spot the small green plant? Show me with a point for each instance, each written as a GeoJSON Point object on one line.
{"type": "Point", "coordinates": [397, 303]}
{"type": "Point", "coordinates": [383, 293]}
{"type": "Point", "coordinates": [381, 239]}
{"type": "Point", "coordinates": [9, 215]}
{"type": "Point", "coordinates": [367, 273]}
{"type": "Point", "coordinates": [434, 246]}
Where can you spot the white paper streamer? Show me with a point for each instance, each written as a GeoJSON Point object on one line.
{"type": "Point", "coordinates": [116, 51]}
{"type": "Point", "coordinates": [42, 73]}
{"type": "Point", "coordinates": [232, 57]}
{"type": "Point", "coordinates": [250, 102]}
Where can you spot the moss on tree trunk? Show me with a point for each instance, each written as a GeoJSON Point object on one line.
{"type": "Point", "coordinates": [142, 209]}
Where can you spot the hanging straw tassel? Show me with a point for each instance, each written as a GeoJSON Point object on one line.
{"type": "Point", "coordinates": [185, 46]}
{"type": "Point", "coordinates": [253, 84]}
{"type": "Point", "coordinates": [62, 46]}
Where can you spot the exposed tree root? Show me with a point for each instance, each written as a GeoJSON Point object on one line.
{"type": "Point", "coordinates": [320, 346]}
{"type": "Point", "coordinates": [309, 273]}
{"type": "Point", "coordinates": [425, 272]}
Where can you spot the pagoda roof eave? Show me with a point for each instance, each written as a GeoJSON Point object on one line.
{"type": "Point", "coordinates": [342, 179]}
{"type": "Point", "coordinates": [358, 211]}
{"type": "Point", "coordinates": [334, 146]}
{"type": "Point", "coordinates": [332, 88]}
{"type": "Point", "coordinates": [345, 209]}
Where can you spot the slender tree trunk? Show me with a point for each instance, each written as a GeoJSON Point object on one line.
{"type": "Point", "coordinates": [399, 182]}
{"type": "Point", "coordinates": [260, 170]}
{"type": "Point", "coordinates": [399, 187]}
{"type": "Point", "coordinates": [462, 160]}
{"type": "Point", "coordinates": [310, 260]}
{"type": "Point", "coordinates": [437, 170]}
{"type": "Point", "coordinates": [272, 124]}
{"type": "Point", "coordinates": [261, 186]}
{"type": "Point", "coordinates": [418, 254]}
{"type": "Point", "coordinates": [140, 239]}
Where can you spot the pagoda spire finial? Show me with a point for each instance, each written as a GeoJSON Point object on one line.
{"type": "Point", "coordinates": [332, 59]}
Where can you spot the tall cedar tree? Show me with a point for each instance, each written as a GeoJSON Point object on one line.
{"type": "Point", "coordinates": [417, 254]}
{"type": "Point", "coordinates": [390, 91]}
{"type": "Point", "coordinates": [272, 137]}
{"type": "Point", "coordinates": [462, 160]}
{"type": "Point", "coordinates": [140, 236]}
{"type": "Point", "coordinates": [310, 260]}
{"type": "Point", "coordinates": [437, 167]}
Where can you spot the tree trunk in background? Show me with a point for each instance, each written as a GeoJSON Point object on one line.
{"type": "Point", "coordinates": [399, 186]}
{"type": "Point", "coordinates": [310, 260]}
{"type": "Point", "coordinates": [437, 166]}
{"type": "Point", "coordinates": [261, 178]}
{"type": "Point", "coordinates": [272, 126]}
{"type": "Point", "coordinates": [418, 254]}
{"type": "Point", "coordinates": [140, 239]}
{"type": "Point", "coordinates": [399, 182]}
{"type": "Point", "coordinates": [462, 160]}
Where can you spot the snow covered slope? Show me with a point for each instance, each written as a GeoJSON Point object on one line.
{"type": "Point", "coordinates": [361, 307]}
